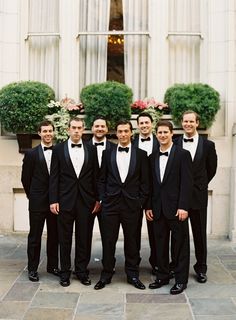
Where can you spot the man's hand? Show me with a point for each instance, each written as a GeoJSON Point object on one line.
{"type": "Point", "coordinates": [97, 207]}
{"type": "Point", "coordinates": [182, 214]}
{"type": "Point", "coordinates": [149, 215]}
{"type": "Point", "coordinates": [54, 207]}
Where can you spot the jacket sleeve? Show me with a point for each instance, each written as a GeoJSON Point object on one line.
{"type": "Point", "coordinates": [211, 161]}
{"type": "Point", "coordinates": [54, 178]}
{"type": "Point", "coordinates": [102, 177]}
{"type": "Point", "coordinates": [144, 180]}
{"type": "Point", "coordinates": [27, 172]}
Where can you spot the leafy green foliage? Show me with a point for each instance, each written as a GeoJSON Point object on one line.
{"type": "Point", "coordinates": [198, 97]}
{"type": "Point", "coordinates": [23, 105]}
{"type": "Point", "coordinates": [109, 99]}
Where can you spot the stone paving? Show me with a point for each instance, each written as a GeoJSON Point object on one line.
{"type": "Point", "coordinates": [46, 299]}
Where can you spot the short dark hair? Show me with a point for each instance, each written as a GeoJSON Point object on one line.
{"type": "Point", "coordinates": [124, 121]}
{"type": "Point", "coordinates": [45, 123]}
{"type": "Point", "coordinates": [189, 112]}
{"type": "Point", "coordinates": [145, 114]}
{"type": "Point", "coordinates": [100, 118]}
{"type": "Point", "coordinates": [78, 119]}
{"type": "Point", "coordinates": [164, 123]}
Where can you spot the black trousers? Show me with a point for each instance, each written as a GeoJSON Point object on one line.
{"type": "Point", "coordinates": [180, 248]}
{"type": "Point", "coordinates": [198, 220]}
{"type": "Point", "coordinates": [82, 218]}
{"type": "Point", "coordinates": [37, 220]}
{"type": "Point", "coordinates": [110, 224]}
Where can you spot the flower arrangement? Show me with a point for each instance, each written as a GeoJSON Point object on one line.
{"type": "Point", "coordinates": [147, 103]}
{"type": "Point", "coordinates": [60, 114]}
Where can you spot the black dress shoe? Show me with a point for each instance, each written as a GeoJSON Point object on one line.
{"type": "Point", "coordinates": [136, 283]}
{"type": "Point", "coordinates": [158, 283]}
{"type": "Point", "coordinates": [178, 288]}
{"type": "Point", "coordinates": [101, 284]}
{"type": "Point", "coordinates": [33, 276]}
{"type": "Point", "coordinates": [64, 282]}
{"type": "Point", "coordinates": [54, 271]}
{"type": "Point", "coordinates": [201, 277]}
{"type": "Point", "coordinates": [84, 280]}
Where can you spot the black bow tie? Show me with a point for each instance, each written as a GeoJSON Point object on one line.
{"type": "Point", "coordinates": [145, 139]}
{"type": "Point", "coordinates": [99, 144]}
{"type": "Point", "coordinates": [126, 149]}
{"type": "Point", "coordinates": [47, 148]}
{"type": "Point", "coordinates": [163, 154]}
{"type": "Point", "coordinates": [73, 145]}
{"type": "Point", "coordinates": [188, 140]}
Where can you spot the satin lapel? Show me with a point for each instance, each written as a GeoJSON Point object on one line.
{"type": "Point", "coordinates": [155, 144]}
{"type": "Point", "coordinates": [42, 159]}
{"type": "Point", "coordinates": [199, 150]}
{"type": "Point", "coordinates": [114, 164]}
{"type": "Point", "coordinates": [157, 167]}
{"type": "Point", "coordinates": [169, 163]}
{"type": "Point", "coordinates": [132, 164]}
{"type": "Point", "coordinates": [68, 159]}
{"type": "Point", "coordinates": [86, 156]}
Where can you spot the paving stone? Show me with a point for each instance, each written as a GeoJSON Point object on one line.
{"type": "Point", "coordinates": [157, 311]}
{"type": "Point", "coordinates": [224, 307]}
{"type": "Point", "coordinates": [48, 314]}
{"type": "Point", "coordinates": [12, 309]}
{"type": "Point", "coordinates": [102, 297]}
{"type": "Point", "coordinates": [212, 291]}
{"type": "Point", "coordinates": [101, 317]}
{"type": "Point", "coordinates": [106, 309]}
{"type": "Point", "coordinates": [22, 291]}
{"type": "Point", "coordinates": [221, 317]}
{"type": "Point", "coordinates": [155, 298]}
{"type": "Point", "coordinates": [55, 300]}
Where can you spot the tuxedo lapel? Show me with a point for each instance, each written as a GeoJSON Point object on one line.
{"type": "Point", "coordinates": [114, 166]}
{"type": "Point", "coordinates": [199, 150]}
{"type": "Point", "coordinates": [132, 163]}
{"type": "Point", "coordinates": [155, 144]}
{"type": "Point", "coordinates": [86, 156]}
{"type": "Point", "coordinates": [42, 159]}
{"type": "Point", "coordinates": [68, 159]}
{"type": "Point", "coordinates": [157, 167]}
{"type": "Point", "coordinates": [169, 163]}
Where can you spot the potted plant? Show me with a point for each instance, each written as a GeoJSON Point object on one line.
{"type": "Point", "coordinates": [109, 99]}
{"type": "Point", "coordinates": [198, 97]}
{"type": "Point", "coordinates": [23, 105]}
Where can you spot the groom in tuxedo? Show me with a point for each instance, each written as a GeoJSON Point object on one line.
{"type": "Point", "coordinates": [204, 160]}
{"type": "Point", "coordinates": [123, 191]}
{"type": "Point", "coordinates": [35, 180]}
{"type": "Point", "coordinates": [73, 198]}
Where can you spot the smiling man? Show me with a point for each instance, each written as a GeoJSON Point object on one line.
{"type": "Point", "coordinates": [171, 172]}
{"type": "Point", "coordinates": [35, 180]}
{"type": "Point", "coordinates": [123, 190]}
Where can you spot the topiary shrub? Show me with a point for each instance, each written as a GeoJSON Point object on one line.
{"type": "Point", "coordinates": [23, 105]}
{"type": "Point", "coordinates": [198, 97]}
{"type": "Point", "coordinates": [109, 99]}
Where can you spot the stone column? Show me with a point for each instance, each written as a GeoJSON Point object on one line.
{"type": "Point", "coordinates": [232, 225]}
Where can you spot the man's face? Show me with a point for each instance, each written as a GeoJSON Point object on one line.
{"type": "Point", "coordinates": [124, 134]}
{"type": "Point", "coordinates": [145, 126]}
{"type": "Point", "coordinates": [75, 130]}
{"type": "Point", "coordinates": [190, 124]}
{"type": "Point", "coordinates": [164, 136]}
{"type": "Point", "coordinates": [47, 135]}
{"type": "Point", "coordinates": [99, 129]}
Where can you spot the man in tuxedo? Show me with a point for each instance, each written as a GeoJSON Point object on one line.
{"type": "Point", "coordinates": [204, 161]}
{"type": "Point", "coordinates": [123, 190]}
{"type": "Point", "coordinates": [73, 198]}
{"type": "Point", "coordinates": [148, 142]}
{"type": "Point", "coordinates": [35, 180]}
{"type": "Point", "coordinates": [171, 171]}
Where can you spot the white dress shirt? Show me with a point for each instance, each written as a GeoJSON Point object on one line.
{"type": "Point", "coordinates": [146, 145]}
{"type": "Point", "coordinates": [191, 146]}
{"type": "Point", "coordinates": [123, 162]}
{"type": "Point", "coordinates": [100, 149]}
{"type": "Point", "coordinates": [76, 156]}
{"type": "Point", "coordinates": [47, 156]}
{"type": "Point", "coordinates": [163, 162]}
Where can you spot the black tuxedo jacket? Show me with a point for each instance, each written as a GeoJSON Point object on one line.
{"type": "Point", "coordinates": [35, 179]}
{"type": "Point", "coordinates": [65, 187]}
{"type": "Point", "coordinates": [134, 191]}
{"type": "Point", "coordinates": [174, 192]}
{"type": "Point", "coordinates": [204, 169]}
{"type": "Point", "coordinates": [155, 144]}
